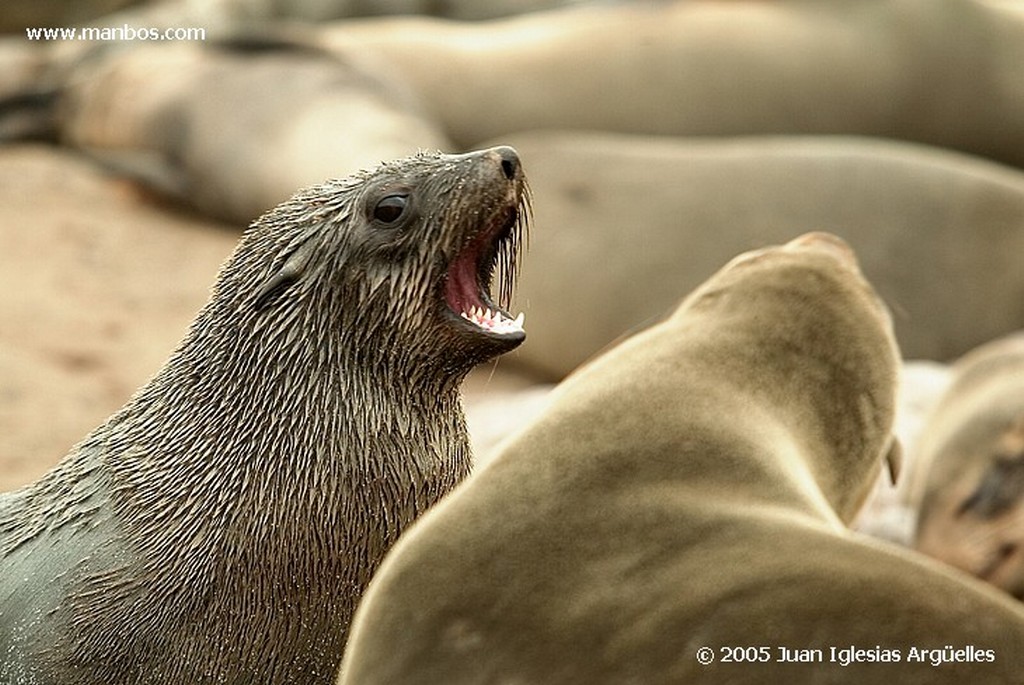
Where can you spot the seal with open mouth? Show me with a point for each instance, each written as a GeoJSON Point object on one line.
{"type": "Point", "coordinates": [222, 525]}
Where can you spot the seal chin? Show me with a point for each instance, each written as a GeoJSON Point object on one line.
{"type": "Point", "coordinates": [470, 309]}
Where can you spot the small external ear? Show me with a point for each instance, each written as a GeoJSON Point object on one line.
{"type": "Point", "coordinates": [895, 459]}
{"type": "Point", "coordinates": [289, 273]}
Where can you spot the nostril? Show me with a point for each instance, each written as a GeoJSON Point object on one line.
{"type": "Point", "coordinates": [509, 162]}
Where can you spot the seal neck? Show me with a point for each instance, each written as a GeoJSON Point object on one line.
{"type": "Point", "coordinates": [304, 434]}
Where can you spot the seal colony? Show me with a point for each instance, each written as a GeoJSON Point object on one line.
{"type": "Point", "coordinates": [690, 489]}
{"type": "Point", "coordinates": [222, 525]}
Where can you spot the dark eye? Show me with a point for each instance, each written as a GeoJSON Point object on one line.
{"type": "Point", "coordinates": [390, 209]}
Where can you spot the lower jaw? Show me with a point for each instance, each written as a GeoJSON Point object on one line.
{"type": "Point", "coordinates": [471, 347]}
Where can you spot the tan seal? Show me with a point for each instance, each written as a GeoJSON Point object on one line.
{"type": "Point", "coordinates": [642, 219]}
{"type": "Point", "coordinates": [971, 450]}
{"type": "Point", "coordinates": [221, 526]}
{"type": "Point", "coordinates": [234, 126]}
{"type": "Point", "coordinates": [687, 492]}
{"type": "Point", "coordinates": [712, 68]}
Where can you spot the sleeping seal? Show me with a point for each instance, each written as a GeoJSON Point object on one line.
{"type": "Point", "coordinates": [231, 127]}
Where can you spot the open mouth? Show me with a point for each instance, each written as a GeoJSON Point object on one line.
{"type": "Point", "coordinates": [467, 287]}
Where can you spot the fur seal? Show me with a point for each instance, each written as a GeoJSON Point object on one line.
{"type": "Point", "coordinates": [971, 494]}
{"type": "Point", "coordinates": [698, 68]}
{"type": "Point", "coordinates": [221, 526]}
{"type": "Point", "coordinates": [937, 232]}
{"type": "Point", "coordinates": [688, 490]}
{"type": "Point", "coordinates": [232, 127]}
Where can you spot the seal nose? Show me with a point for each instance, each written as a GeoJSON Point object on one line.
{"type": "Point", "coordinates": [509, 161]}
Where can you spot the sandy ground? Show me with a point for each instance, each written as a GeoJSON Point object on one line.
{"type": "Point", "coordinates": [98, 286]}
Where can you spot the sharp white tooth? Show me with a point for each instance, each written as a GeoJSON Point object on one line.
{"type": "Point", "coordinates": [490, 314]}
{"type": "Point", "coordinates": [520, 319]}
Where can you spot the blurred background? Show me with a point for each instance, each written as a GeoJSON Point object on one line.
{"type": "Point", "coordinates": [660, 139]}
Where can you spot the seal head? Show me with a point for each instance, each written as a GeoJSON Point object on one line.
{"type": "Point", "coordinates": [396, 253]}
{"type": "Point", "coordinates": [676, 492]}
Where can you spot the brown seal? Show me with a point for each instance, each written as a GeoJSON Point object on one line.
{"type": "Point", "coordinates": [231, 127]}
{"type": "Point", "coordinates": [687, 491]}
{"type": "Point", "coordinates": [221, 526]}
{"type": "Point", "coordinates": [971, 450]}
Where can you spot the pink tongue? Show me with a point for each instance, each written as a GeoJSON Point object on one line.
{"type": "Point", "coordinates": [462, 290]}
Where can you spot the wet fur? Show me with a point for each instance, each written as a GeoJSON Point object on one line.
{"type": "Point", "coordinates": [221, 526]}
